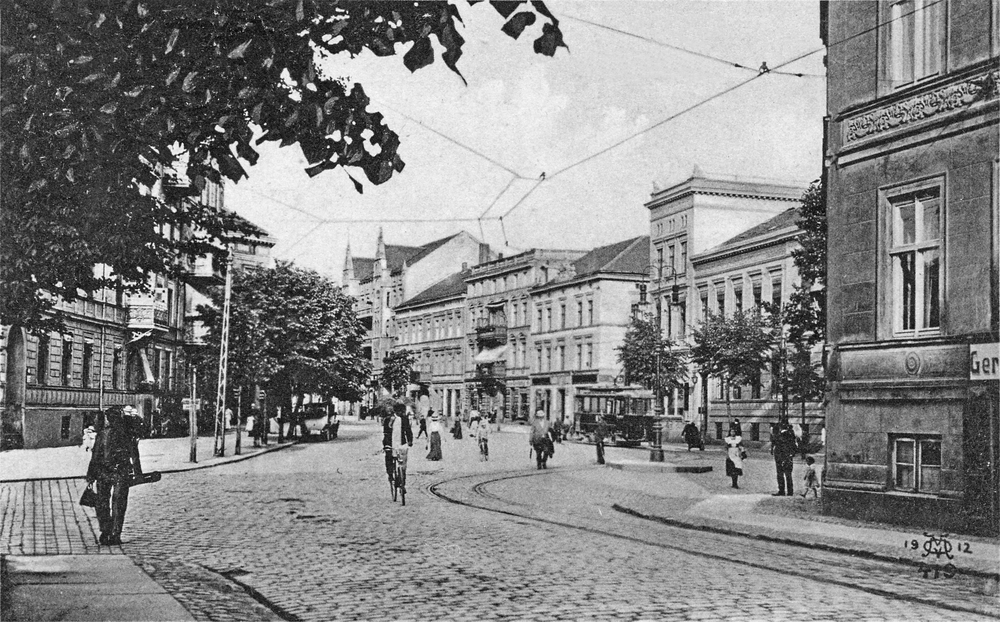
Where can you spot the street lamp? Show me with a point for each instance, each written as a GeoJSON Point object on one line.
{"type": "Point", "coordinates": [656, 450]}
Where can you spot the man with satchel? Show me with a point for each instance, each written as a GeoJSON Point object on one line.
{"type": "Point", "coordinates": [114, 464]}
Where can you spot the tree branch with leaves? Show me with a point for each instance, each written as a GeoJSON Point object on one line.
{"type": "Point", "coordinates": [646, 356]}
{"type": "Point", "coordinates": [397, 371]}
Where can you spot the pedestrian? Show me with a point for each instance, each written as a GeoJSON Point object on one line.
{"type": "Point", "coordinates": [114, 463]}
{"type": "Point", "coordinates": [456, 429]}
{"type": "Point", "coordinates": [423, 428]}
{"type": "Point", "coordinates": [736, 426]}
{"type": "Point", "coordinates": [600, 431]}
{"type": "Point", "coordinates": [692, 436]}
{"type": "Point", "coordinates": [482, 437]}
{"type": "Point", "coordinates": [735, 455]}
{"type": "Point", "coordinates": [557, 431]}
{"type": "Point", "coordinates": [811, 479]}
{"type": "Point", "coordinates": [89, 438]}
{"type": "Point", "coordinates": [397, 438]}
{"type": "Point", "coordinates": [539, 439]}
{"type": "Point", "coordinates": [434, 428]}
{"type": "Point", "coordinates": [783, 449]}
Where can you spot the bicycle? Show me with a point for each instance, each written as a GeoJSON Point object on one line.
{"type": "Point", "coordinates": [397, 479]}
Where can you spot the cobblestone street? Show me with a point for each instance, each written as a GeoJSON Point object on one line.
{"type": "Point", "coordinates": [311, 533]}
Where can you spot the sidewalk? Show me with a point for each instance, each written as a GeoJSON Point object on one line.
{"type": "Point", "coordinates": [753, 512]}
{"type": "Point", "coordinates": [51, 566]}
{"type": "Point", "coordinates": [166, 455]}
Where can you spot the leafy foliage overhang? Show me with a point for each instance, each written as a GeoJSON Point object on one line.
{"type": "Point", "coordinates": [98, 98]}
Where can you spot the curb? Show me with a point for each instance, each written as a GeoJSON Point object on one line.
{"type": "Point", "coordinates": [195, 466]}
{"type": "Point", "coordinates": [659, 467]}
{"type": "Point", "coordinates": [673, 522]}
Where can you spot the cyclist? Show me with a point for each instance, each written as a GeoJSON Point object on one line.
{"type": "Point", "coordinates": [397, 438]}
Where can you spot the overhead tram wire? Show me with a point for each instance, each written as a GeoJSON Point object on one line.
{"type": "Point", "coordinates": [677, 48]}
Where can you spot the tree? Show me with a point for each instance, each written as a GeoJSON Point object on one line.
{"type": "Point", "coordinates": [397, 369]}
{"type": "Point", "coordinates": [100, 100]}
{"type": "Point", "coordinates": [291, 331]}
{"type": "Point", "coordinates": [735, 349]}
{"type": "Point", "coordinates": [647, 356]}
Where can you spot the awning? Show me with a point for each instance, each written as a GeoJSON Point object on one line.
{"type": "Point", "coordinates": [146, 369]}
{"type": "Point", "coordinates": [490, 356]}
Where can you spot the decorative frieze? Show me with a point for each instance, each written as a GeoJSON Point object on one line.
{"type": "Point", "coordinates": [925, 105]}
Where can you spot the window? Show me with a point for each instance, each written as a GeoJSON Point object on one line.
{"type": "Point", "coordinates": [681, 321]}
{"type": "Point", "coordinates": [738, 297]}
{"type": "Point", "coordinates": [916, 463]}
{"type": "Point", "coordinates": [670, 256]}
{"type": "Point", "coordinates": [590, 356]}
{"type": "Point", "coordinates": [579, 313]}
{"type": "Point", "coordinates": [659, 263]}
{"type": "Point", "coordinates": [88, 364]}
{"type": "Point", "coordinates": [579, 356]}
{"type": "Point", "coordinates": [42, 364]}
{"type": "Point", "coordinates": [524, 312]}
{"type": "Point", "coordinates": [704, 303]}
{"type": "Point", "coordinates": [548, 318]}
{"type": "Point", "coordinates": [720, 299]}
{"type": "Point", "coordinates": [64, 428]}
{"type": "Point", "coordinates": [539, 329]}
{"type": "Point", "coordinates": [684, 251]}
{"type": "Point", "coordinates": [538, 358]}
{"type": "Point", "coordinates": [548, 358]}
{"type": "Point", "coordinates": [66, 369]}
{"type": "Point", "coordinates": [590, 313]}
{"type": "Point", "coordinates": [718, 430]}
{"type": "Point", "coordinates": [758, 296]}
{"type": "Point", "coordinates": [916, 40]}
{"type": "Point", "coordinates": [562, 358]}
{"type": "Point", "coordinates": [737, 392]}
{"type": "Point", "coordinates": [916, 261]}
{"type": "Point", "coordinates": [776, 291]}
{"type": "Point", "coordinates": [562, 316]}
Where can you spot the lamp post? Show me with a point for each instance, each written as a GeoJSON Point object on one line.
{"type": "Point", "coordinates": [656, 449]}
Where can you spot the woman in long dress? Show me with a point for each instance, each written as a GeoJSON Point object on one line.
{"type": "Point", "coordinates": [734, 457]}
{"type": "Point", "coordinates": [434, 429]}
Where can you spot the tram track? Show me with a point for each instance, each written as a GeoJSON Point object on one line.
{"type": "Point", "coordinates": [923, 594]}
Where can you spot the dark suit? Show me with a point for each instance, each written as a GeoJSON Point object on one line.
{"type": "Point", "coordinates": [784, 451]}
{"type": "Point", "coordinates": [405, 436]}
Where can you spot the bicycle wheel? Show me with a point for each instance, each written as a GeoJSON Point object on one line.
{"type": "Point", "coordinates": [401, 483]}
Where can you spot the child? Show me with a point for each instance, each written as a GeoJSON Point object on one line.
{"type": "Point", "coordinates": [812, 481]}
{"type": "Point", "coordinates": [482, 435]}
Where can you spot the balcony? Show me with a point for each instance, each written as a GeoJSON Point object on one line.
{"type": "Point", "coordinates": [202, 272]}
{"type": "Point", "coordinates": [487, 331]}
{"type": "Point", "coordinates": [147, 312]}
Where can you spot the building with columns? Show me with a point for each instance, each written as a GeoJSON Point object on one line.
{"type": "Point", "coordinates": [686, 219]}
{"type": "Point", "coordinates": [746, 271]}
{"type": "Point", "coordinates": [913, 171]}
{"type": "Point", "coordinates": [581, 314]}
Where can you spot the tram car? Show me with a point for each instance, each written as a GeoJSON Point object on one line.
{"type": "Point", "coordinates": [628, 413]}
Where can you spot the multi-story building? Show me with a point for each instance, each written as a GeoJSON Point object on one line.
{"type": "Point", "coordinates": [686, 219]}
{"type": "Point", "coordinates": [431, 325]}
{"type": "Point", "coordinates": [397, 273]}
{"type": "Point", "coordinates": [912, 146]}
{"type": "Point", "coordinates": [746, 271]}
{"type": "Point", "coordinates": [580, 317]}
{"type": "Point", "coordinates": [499, 325]}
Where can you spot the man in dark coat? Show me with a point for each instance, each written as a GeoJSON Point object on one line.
{"type": "Point", "coordinates": [600, 432]}
{"type": "Point", "coordinates": [396, 432]}
{"type": "Point", "coordinates": [692, 436]}
{"type": "Point", "coordinates": [114, 463]}
{"type": "Point", "coordinates": [783, 448]}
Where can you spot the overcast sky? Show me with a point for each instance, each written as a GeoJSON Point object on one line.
{"type": "Point", "coordinates": [531, 114]}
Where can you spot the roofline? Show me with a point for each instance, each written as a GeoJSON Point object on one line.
{"type": "Point", "coordinates": [600, 275]}
{"type": "Point", "coordinates": [409, 306]}
{"type": "Point", "coordinates": [485, 266]}
{"type": "Point", "coordinates": [729, 186]}
{"type": "Point", "coordinates": [771, 239]}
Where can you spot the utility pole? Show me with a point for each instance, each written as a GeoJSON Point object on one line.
{"type": "Point", "coordinates": [193, 416]}
{"type": "Point", "coordinates": [220, 396]}
{"type": "Point", "coordinates": [239, 413]}
{"type": "Point", "coordinates": [656, 450]}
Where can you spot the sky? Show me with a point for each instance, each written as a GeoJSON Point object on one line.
{"type": "Point", "coordinates": [476, 151]}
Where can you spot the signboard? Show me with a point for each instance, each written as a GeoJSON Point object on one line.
{"type": "Point", "coordinates": [186, 403]}
{"type": "Point", "coordinates": [984, 361]}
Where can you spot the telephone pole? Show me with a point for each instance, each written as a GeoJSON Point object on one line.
{"type": "Point", "coordinates": [220, 396]}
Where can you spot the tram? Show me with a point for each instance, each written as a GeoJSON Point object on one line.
{"type": "Point", "coordinates": [628, 413]}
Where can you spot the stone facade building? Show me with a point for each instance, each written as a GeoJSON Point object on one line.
{"type": "Point", "coordinates": [499, 327]}
{"type": "Point", "coordinates": [746, 271]}
{"type": "Point", "coordinates": [912, 176]}
{"type": "Point", "coordinates": [580, 316]}
{"type": "Point", "coordinates": [686, 219]}
{"type": "Point", "coordinates": [432, 326]}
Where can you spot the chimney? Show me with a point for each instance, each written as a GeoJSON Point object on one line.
{"type": "Point", "coordinates": [465, 266]}
{"type": "Point", "coordinates": [484, 252]}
